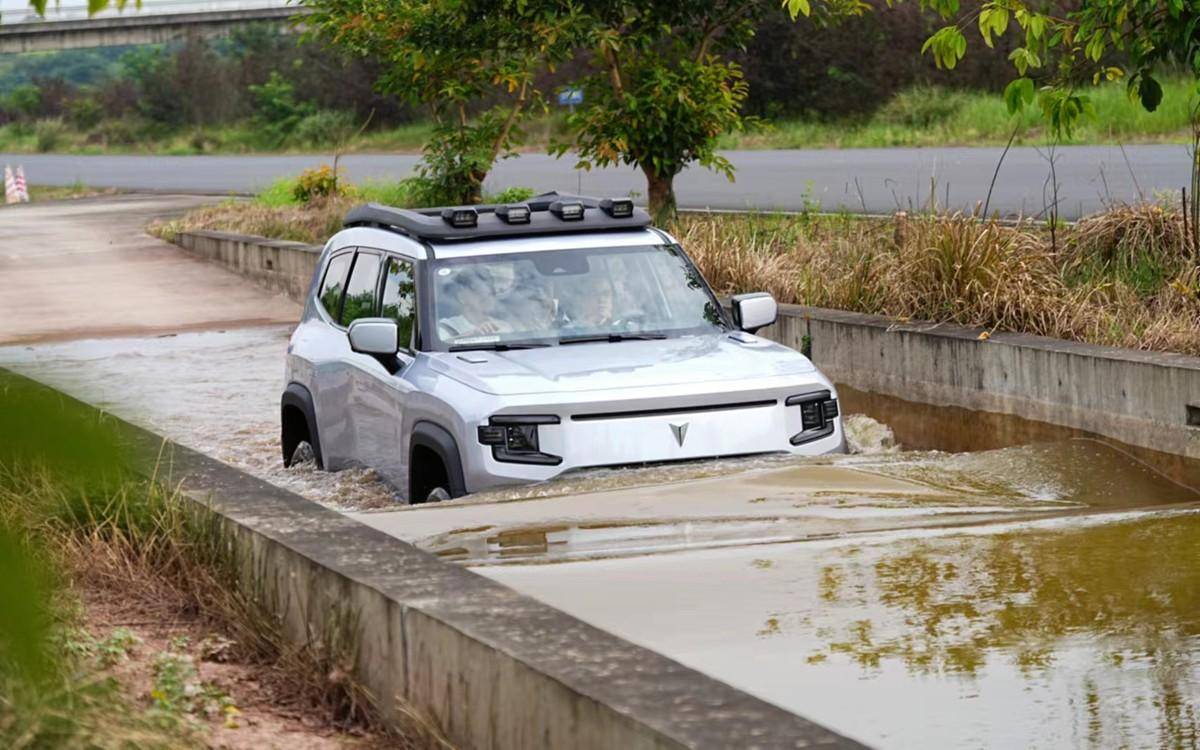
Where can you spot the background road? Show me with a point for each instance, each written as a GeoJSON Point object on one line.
{"type": "Point", "coordinates": [870, 180]}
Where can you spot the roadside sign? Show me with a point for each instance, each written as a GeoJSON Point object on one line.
{"type": "Point", "coordinates": [571, 96]}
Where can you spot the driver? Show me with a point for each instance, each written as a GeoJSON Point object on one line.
{"type": "Point", "coordinates": [595, 306]}
{"type": "Point", "coordinates": [470, 293]}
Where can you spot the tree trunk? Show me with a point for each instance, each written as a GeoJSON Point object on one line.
{"type": "Point", "coordinates": [660, 194]}
{"type": "Point", "coordinates": [474, 188]}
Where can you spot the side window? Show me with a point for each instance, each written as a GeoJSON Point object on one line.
{"type": "Point", "coordinates": [400, 298]}
{"type": "Point", "coordinates": [360, 290]}
{"type": "Point", "coordinates": [334, 283]}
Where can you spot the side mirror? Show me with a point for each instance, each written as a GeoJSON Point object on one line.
{"type": "Point", "coordinates": [753, 311]}
{"type": "Point", "coordinates": [374, 336]}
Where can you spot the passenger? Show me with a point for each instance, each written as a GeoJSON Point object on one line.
{"type": "Point", "coordinates": [474, 301]}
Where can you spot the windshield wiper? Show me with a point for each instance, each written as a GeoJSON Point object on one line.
{"type": "Point", "coordinates": [497, 346]}
{"type": "Point", "coordinates": [612, 338]}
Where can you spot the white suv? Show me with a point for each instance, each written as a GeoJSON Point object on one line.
{"type": "Point", "coordinates": [458, 349]}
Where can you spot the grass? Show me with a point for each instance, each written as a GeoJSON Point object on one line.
{"type": "Point", "coordinates": [70, 515]}
{"type": "Point", "coordinates": [918, 116]}
{"type": "Point", "coordinates": [76, 190]}
{"type": "Point", "coordinates": [138, 137]}
{"type": "Point", "coordinates": [932, 116]}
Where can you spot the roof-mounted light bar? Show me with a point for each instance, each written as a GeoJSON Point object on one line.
{"type": "Point", "coordinates": [514, 213]}
{"type": "Point", "coordinates": [460, 218]}
{"type": "Point", "coordinates": [618, 208]}
{"type": "Point", "coordinates": [567, 210]}
{"type": "Point", "coordinates": [548, 213]}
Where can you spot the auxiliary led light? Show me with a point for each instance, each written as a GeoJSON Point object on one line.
{"type": "Point", "coordinates": [517, 213]}
{"type": "Point", "coordinates": [567, 210]}
{"type": "Point", "coordinates": [461, 218]}
{"type": "Point", "coordinates": [618, 208]}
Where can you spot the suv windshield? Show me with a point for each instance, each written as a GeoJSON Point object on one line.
{"type": "Point", "coordinates": [563, 296]}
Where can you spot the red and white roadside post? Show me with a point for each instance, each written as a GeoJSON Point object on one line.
{"type": "Point", "coordinates": [22, 189]}
{"type": "Point", "coordinates": [10, 186]}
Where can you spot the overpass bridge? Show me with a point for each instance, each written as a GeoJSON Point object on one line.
{"type": "Point", "coordinates": [71, 27]}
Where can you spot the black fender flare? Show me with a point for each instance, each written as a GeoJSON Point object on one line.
{"type": "Point", "coordinates": [298, 397]}
{"type": "Point", "coordinates": [439, 440]}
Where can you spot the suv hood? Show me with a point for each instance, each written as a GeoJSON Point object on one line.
{"type": "Point", "coordinates": [626, 364]}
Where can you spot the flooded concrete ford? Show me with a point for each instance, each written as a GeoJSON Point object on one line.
{"type": "Point", "coordinates": [953, 582]}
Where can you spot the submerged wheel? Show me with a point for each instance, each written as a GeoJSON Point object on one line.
{"type": "Point", "coordinates": [428, 480]}
{"type": "Point", "coordinates": [296, 443]}
{"type": "Point", "coordinates": [302, 454]}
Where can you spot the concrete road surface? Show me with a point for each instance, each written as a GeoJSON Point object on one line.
{"type": "Point", "coordinates": [80, 269]}
{"type": "Point", "coordinates": [870, 180]}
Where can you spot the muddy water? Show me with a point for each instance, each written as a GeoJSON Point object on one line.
{"type": "Point", "coordinates": [217, 392]}
{"type": "Point", "coordinates": [1064, 634]}
{"type": "Point", "coordinates": [1038, 590]}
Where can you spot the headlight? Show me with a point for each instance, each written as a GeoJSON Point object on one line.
{"type": "Point", "coordinates": [514, 439]}
{"type": "Point", "coordinates": [818, 414]}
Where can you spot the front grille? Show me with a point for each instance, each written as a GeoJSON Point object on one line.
{"type": "Point", "coordinates": [673, 410]}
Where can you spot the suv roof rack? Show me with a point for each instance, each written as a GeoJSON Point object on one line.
{"type": "Point", "coordinates": [548, 213]}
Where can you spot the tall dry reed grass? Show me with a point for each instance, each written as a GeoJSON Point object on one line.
{"type": "Point", "coordinates": [1126, 277]}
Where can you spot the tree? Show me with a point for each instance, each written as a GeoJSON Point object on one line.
{"type": "Point", "coordinates": [472, 63]}
{"type": "Point", "coordinates": [663, 90]}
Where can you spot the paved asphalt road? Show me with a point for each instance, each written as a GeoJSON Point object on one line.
{"type": "Point", "coordinates": [877, 180]}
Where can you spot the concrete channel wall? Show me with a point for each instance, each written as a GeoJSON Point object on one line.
{"type": "Point", "coordinates": [279, 265]}
{"type": "Point", "coordinates": [491, 667]}
{"type": "Point", "coordinates": [1143, 399]}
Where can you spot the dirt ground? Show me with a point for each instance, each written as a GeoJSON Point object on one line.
{"type": "Point", "coordinates": [264, 715]}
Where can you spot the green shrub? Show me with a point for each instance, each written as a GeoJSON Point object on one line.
{"type": "Point", "coordinates": [85, 113]}
{"type": "Point", "coordinates": [123, 132]}
{"type": "Point", "coordinates": [320, 182]}
{"type": "Point", "coordinates": [323, 128]}
{"type": "Point", "coordinates": [515, 194]}
{"type": "Point", "coordinates": [923, 106]}
{"type": "Point", "coordinates": [49, 134]}
{"type": "Point", "coordinates": [26, 99]}
{"type": "Point", "coordinates": [276, 107]}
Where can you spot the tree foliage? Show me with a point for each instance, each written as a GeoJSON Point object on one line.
{"type": "Point", "coordinates": [1097, 40]}
{"type": "Point", "coordinates": [663, 88]}
{"type": "Point", "coordinates": [659, 92]}
{"type": "Point", "coordinates": [471, 63]}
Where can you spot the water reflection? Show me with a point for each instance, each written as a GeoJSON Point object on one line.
{"type": "Point", "coordinates": [1112, 608]}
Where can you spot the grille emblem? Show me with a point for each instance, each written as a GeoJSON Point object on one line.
{"type": "Point", "coordinates": [680, 432]}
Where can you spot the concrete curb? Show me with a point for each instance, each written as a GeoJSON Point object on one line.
{"type": "Point", "coordinates": [493, 668]}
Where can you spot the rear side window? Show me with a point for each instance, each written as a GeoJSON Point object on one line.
{"type": "Point", "coordinates": [400, 298]}
{"type": "Point", "coordinates": [334, 283]}
{"type": "Point", "coordinates": [361, 289]}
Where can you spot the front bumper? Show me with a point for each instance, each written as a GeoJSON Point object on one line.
{"type": "Point", "coordinates": [674, 428]}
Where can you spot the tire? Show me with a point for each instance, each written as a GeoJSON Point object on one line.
{"type": "Point", "coordinates": [437, 494]}
{"type": "Point", "coordinates": [304, 453]}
